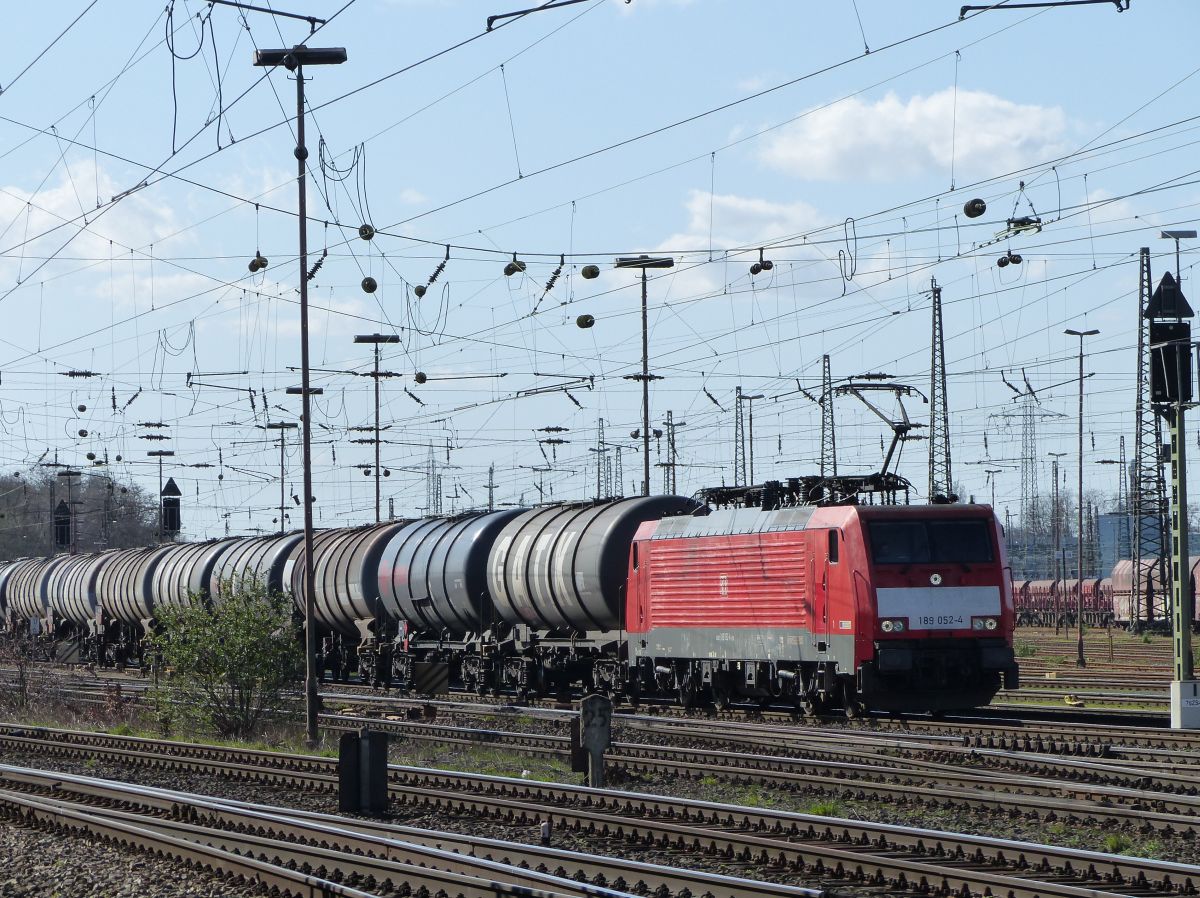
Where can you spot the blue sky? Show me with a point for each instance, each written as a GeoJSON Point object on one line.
{"type": "Point", "coordinates": [612, 129]}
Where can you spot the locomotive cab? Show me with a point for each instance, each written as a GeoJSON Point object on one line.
{"type": "Point", "coordinates": [941, 609]}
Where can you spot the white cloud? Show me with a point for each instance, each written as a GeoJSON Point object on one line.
{"type": "Point", "coordinates": [56, 237]}
{"type": "Point", "coordinates": [738, 220]}
{"type": "Point", "coordinates": [892, 139]}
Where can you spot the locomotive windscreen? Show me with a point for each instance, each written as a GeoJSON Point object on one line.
{"type": "Point", "coordinates": [931, 542]}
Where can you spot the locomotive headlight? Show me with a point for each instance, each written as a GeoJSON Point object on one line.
{"type": "Point", "coordinates": [977, 623]}
{"type": "Point", "coordinates": [892, 625]}
{"type": "Point", "coordinates": [990, 623]}
{"type": "Point", "coordinates": [898, 626]}
{"type": "Point", "coordinates": [984, 623]}
{"type": "Point", "coordinates": [887, 626]}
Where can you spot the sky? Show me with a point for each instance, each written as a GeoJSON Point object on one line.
{"type": "Point", "coordinates": [145, 161]}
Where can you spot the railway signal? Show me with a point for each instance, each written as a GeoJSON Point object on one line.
{"type": "Point", "coordinates": [1171, 395]}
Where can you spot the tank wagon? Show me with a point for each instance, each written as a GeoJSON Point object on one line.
{"type": "Point", "coordinates": [101, 606]}
{"type": "Point", "coordinates": [901, 608]}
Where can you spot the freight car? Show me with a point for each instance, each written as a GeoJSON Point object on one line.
{"type": "Point", "coordinates": [1113, 600]}
{"type": "Point", "coordinates": [899, 608]}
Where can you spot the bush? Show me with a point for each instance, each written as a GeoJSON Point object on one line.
{"type": "Point", "coordinates": [229, 665]}
{"type": "Point", "coordinates": [16, 654]}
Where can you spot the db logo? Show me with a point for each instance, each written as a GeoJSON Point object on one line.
{"type": "Point", "coordinates": [935, 579]}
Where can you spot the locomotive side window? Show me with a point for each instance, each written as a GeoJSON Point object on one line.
{"type": "Point", "coordinates": [833, 547]}
{"type": "Point", "coordinates": [635, 556]}
{"type": "Point", "coordinates": [927, 542]}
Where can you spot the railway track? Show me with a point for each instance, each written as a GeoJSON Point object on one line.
{"type": "Point", "coordinates": [783, 843]}
{"type": "Point", "coordinates": [886, 769]}
{"type": "Point", "coordinates": [268, 846]}
{"type": "Point", "coordinates": [1138, 738]}
{"type": "Point", "coordinates": [1046, 700]}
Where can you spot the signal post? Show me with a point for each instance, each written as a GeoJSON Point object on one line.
{"type": "Point", "coordinates": [1171, 395]}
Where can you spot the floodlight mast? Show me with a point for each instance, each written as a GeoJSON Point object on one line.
{"type": "Point", "coordinates": [1080, 660]}
{"type": "Point", "coordinates": [160, 454]}
{"type": "Point", "coordinates": [294, 60]}
{"type": "Point", "coordinates": [1177, 236]}
{"type": "Point", "coordinates": [283, 427]}
{"type": "Point", "coordinates": [376, 339]}
{"type": "Point", "coordinates": [644, 262]}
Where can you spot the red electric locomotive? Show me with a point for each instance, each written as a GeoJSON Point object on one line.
{"type": "Point", "coordinates": [898, 608]}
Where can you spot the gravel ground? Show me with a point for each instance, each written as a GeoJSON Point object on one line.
{"type": "Point", "coordinates": [451, 822]}
{"type": "Point", "coordinates": [507, 762]}
{"type": "Point", "coordinates": [50, 867]}
{"type": "Point", "coordinates": [832, 802]}
{"type": "Point", "coordinates": [500, 762]}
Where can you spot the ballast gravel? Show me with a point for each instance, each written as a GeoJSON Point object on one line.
{"type": "Point", "coordinates": [44, 865]}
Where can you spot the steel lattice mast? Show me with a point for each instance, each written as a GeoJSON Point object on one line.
{"type": "Point", "coordinates": [739, 441]}
{"type": "Point", "coordinates": [1030, 510]}
{"type": "Point", "coordinates": [1149, 488]}
{"type": "Point", "coordinates": [828, 439]}
{"type": "Point", "coordinates": [603, 464]}
{"type": "Point", "coordinates": [941, 480]}
{"type": "Point", "coordinates": [1124, 547]}
{"type": "Point", "coordinates": [672, 454]}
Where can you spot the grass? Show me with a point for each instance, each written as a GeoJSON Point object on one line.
{"type": "Point", "coordinates": [753, 796]}
{"type": "Point", "coordinates": [142, 724]}
{"type": "Point", "coordinates": [1026, 650]}
{"type": "Point", "coordinates": [830, 808]}
{"type": "Point", "coordinates": [483, 759]}
{"type": "Point", "coordinates": [1117, 844]}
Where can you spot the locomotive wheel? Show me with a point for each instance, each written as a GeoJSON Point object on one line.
{"type": "Point", "coordinates": [722, 697]}
{"type": "Point", "coordinates": [688, 693]}
{"type": "Point", "coordinates": [851, 706]}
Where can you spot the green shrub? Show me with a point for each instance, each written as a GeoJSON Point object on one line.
{"type": "Point", "coordinates": [228, 665]}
